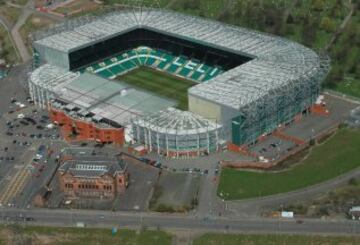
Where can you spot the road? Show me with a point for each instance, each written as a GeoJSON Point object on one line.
{"type": "Point", "coordinates": [40, 13]}
{"type": "Point", "coordinates": [19, 42]}
{"type": "Point", "coordinates": [27, 11]}
{"type": "Point", "coordinates": [46, 217]}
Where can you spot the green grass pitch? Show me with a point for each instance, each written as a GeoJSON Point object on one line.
{"type": "Point", "coordinates": [159, 83]}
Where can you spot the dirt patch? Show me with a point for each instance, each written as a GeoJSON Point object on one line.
{"type": "Point", "coordinates": [175, 193]}
{"type": "Point", "coordinates": [6, 235]}
{"type": "Point", "coordinates": [78, 6]}
{"type": "Point", "coordinates": [36, 20]}
{"type": "Point", "coordinates": [291, 160]}
{"type": "Point", "coordinates": [42, 239]}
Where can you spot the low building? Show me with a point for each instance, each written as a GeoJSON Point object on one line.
{"type": "Point", "coordinates": [354, 212]}
{"type": "Point", "coordinates": [86, 177]}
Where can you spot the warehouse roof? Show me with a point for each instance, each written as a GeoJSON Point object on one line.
{"type": "Point", "coordinates": [276, 62]}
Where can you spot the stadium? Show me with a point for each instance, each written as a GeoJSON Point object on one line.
{"type": "Point", "coordinates": [177, 84]}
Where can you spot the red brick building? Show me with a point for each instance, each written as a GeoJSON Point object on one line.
{"type": "Point", "coordinates": [93, 177]}
{"type": "Point", "coordinates": [80, 129]}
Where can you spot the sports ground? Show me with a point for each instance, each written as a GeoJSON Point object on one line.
{"type": "Point", "coordinates": [159, 83]}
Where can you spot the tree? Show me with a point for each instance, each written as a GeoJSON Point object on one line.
{"type": "Point", "coordinates": [309, 31]}
{"type": "Point", "coordinates": [318, 5]}
{"type": "Point", "coordinates": [290, 19]}
{"type": "Point", "coordinates": [336, 75]}
{"type": "Point", "coordinates": [327, 24]}
{"type": "Point", "coordinates": [191, 4]}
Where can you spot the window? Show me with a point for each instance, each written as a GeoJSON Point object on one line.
{"type": "Point", "coordinates": [69, 186]}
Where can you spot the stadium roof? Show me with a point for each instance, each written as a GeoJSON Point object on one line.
{"type": "Point", "coordinates": [174, 121]}
{"type": "Point", "coordinates": [276, 63]}
{"type": "Point", "coordinates": [107, 99]}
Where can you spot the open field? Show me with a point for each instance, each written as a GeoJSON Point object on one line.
{"type": "Point", "coordinates": [336, 156]}
{"type": "Point", "coordinates": [175, 192]}
{"type": "Point", "coordinates": [76, 7]}
{"type": "Point", "coordinates": [8, 51]}
{"type": "Point", "coordinates": [19, 2]}
{"type": "Point", "coordinates": [79, 236]}
{"type": "Point", "coordinates": [32, 24]}
{"type": "Point", "coordinates": [11, 14]}
{"type": "Point", "coordinates": [159, 83]}
{"type": "Point", "coordinates": [222, 239]}
{"type": "Point", "coordinates": [350, 87]}
{"type": "Point", "coordinates": [335, 203]}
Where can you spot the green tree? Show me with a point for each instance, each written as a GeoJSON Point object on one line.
{"type": "Point", "coordinates": [319, 5]}
{"type": "Point", "coordinates": [327, 24]}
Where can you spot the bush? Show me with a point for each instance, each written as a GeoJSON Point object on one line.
{"type": "Point", "coordinates": [327, 24]}
{"type": "Point", "coordinates": [353, 181]}
{"type": "Point", "coordinates": [323, 211]}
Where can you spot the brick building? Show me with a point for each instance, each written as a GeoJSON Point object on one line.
{"type": "Point", "coordinates": [92, 177]}
{"type": "Point", "coordinates": [80, 129]}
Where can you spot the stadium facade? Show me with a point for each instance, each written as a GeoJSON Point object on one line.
{"type": "Point", "coordinates": [248, 83]}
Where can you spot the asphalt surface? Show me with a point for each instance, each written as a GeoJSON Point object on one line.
{"type": "Point", "coordinates": [47, 217]}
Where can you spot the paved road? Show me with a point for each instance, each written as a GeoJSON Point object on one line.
{"type": "Point", "coordinates": [34, 11]}
{"type": "Point", "coordinates": [20, 44]}
{"type": "Point", "coordinates": [152, 220]}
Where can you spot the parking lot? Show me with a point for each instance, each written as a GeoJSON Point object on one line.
{"type": "Point", "coordinates": [310, 126]}
{"type": "Point", "coordinates": [23, 129]}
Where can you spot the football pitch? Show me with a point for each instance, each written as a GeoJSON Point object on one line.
{"type": "Point", "coordinates": [159, 83]}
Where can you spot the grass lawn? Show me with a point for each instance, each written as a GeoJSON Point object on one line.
{"type": "Point", "coordinates": [32, 24]}
{"type": "Point", "coordinates": [9, 51]}
{"type": "Point", "coordinates": [78, 236]}
{"type": "Point", "coordinates": [350, 86]}
{"type": "Point", "coordinates": [336, 156]}
{"type": "Point", "coordinates": [80, 6]}
{"type": "Point", "coordinates": [222, 239]}
{"type": "Point", "coordinates": [11, 14]}
{"type": "Point", "coordinates": [159, 83]}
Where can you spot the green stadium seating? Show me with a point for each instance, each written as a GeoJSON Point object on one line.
{"type": "Point", "coordinates": [105, 73]}
{"type": "Point", "coordinates": [143, 56]}
{"type": "Point", "coordinates": [184, 72]}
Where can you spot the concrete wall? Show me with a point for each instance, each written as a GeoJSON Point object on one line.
{"type": "Point", "coordinates": [204, 108]}
{"type": "Point", "coordinates": [215, 112]}
{"type": "Point", "coordinates": [52, 56]}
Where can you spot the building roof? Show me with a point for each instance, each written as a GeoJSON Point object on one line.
{"type": "Point", "coordinates": [355, 209]}
{"type": "Point", "coordinates": [277, 62]}
{"type": "Point", "coordinates": [93, 168]}
{"type": "Point", "coordinates": [112, 100]}
{"type": "Point", "coordinates": [174, 121]}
